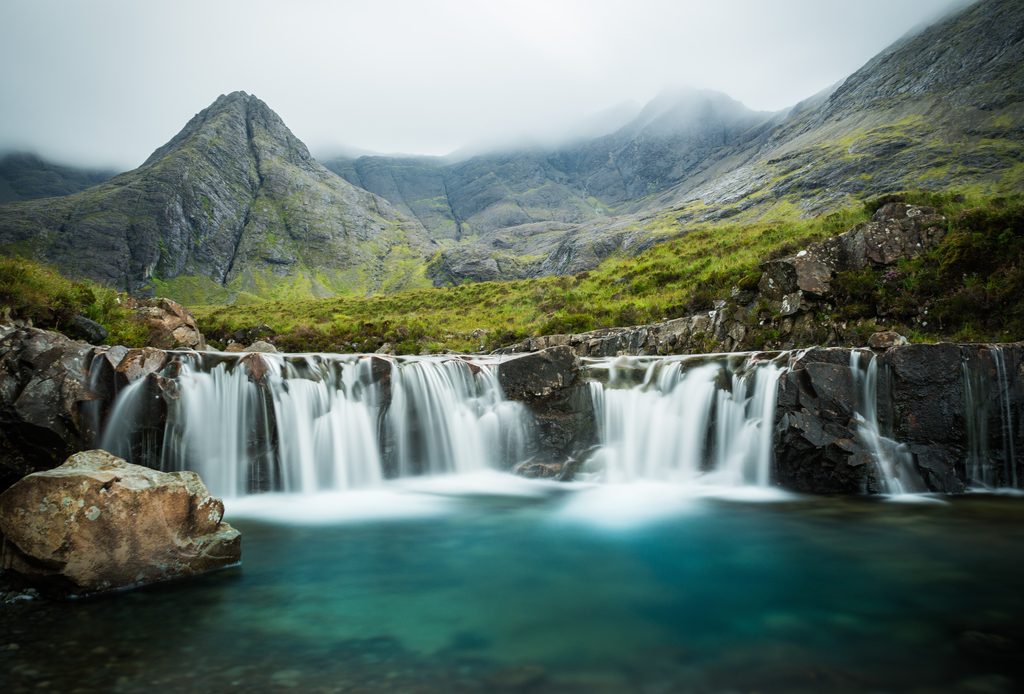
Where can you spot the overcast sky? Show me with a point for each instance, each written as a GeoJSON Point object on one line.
{"type": "Point", "coordinates": [106, 82]}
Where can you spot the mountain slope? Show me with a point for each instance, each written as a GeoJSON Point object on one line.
{"type": "Point", "coordinates": [233, 205]}
{"type": "Point", "coordinates": [25, 176]}
{"type": "Point", "coordinates": [940, 108]}
{"type": "Point", "coordinates": [508, 212]}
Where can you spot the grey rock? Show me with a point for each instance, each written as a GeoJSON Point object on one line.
{"type": "Point", "coordinates": [82, 328]}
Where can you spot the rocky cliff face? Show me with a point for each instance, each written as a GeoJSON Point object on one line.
{"type": "Point", "coordinates": [939, 108]}
{"type": "Point", "coordinates": [234, 202]}
{"type": "Point", "coordinates": [514, 212]}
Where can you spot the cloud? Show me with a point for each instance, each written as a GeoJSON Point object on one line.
{"type": "Point", "coordinates": [105, 82]}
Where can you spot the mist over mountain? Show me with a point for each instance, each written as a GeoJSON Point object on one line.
{"type": "Point", "coordinates": [25, 176]}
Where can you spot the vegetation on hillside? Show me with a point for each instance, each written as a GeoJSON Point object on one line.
{"type": "Point", "coordinates": [36, 292]}
{"type": "Point", "coordinates": [973, 281]}
{"type": "Point", "coordinates": [969, 288]}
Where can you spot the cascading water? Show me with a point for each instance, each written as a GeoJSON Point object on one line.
{"type": "Point", "coordinates": [324, 422]}
{"type": "Point", "coordinates": [687, 419]}
{"type": "Point", "coordinates": [981, 466]}
{"type": "Point", "coordinates": [1006, 415]}
{"type": "Point", "coordinates": [892, 460]}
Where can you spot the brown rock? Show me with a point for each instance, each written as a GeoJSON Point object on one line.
{"type": "Point", "coordinates": [44, 380]}
{"type": "Point", "coordinates": [170, 325]}
{"type": "Point", "coordinates": [886, 339]}
{"type": "Point", "coordinates": [97, 524]}
{"type": "Point", "coordinates": [139, 363]}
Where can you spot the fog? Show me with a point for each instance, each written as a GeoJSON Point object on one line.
{"type": "Point", "coordinates": [105, 82]}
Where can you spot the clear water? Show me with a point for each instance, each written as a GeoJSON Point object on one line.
{"type": "Point", "coordinates": [493, 583]}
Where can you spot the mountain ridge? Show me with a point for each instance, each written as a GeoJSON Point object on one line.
{"type": "Point", "coordinates": [235, 208]}
{"type": "Point", "coordinates": [233, 202]}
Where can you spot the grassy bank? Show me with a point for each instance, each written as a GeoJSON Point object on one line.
{"type": "Point", "coordinates": [973, 280]}
{"type": "Point", "coordinates": [36, 292]}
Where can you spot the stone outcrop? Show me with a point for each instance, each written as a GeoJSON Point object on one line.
{"type": "Point", "coordinates": [44, 390]}
{"type": "Point", "coordinates": [790, 288]}
{"type": "Point", "coordinates": [896, 231]}
{"type": "Point", "coordinates": [550, 384]}
{"type": "Point", "coordinates": [922, 404]}
{"type": "Point", "coordinates": [170, 325]}
{"type": "Point", "coordinates": [97, 524]}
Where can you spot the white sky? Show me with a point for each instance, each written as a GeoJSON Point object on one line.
{"type": "Point", "coordinates": [106, 82]}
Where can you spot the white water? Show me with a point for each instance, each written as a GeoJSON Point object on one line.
{"type": "Point", "coordinates": [980, 468]}
{"type": "Point", "coordinates": [1006, 416]}
{"type": "Point", "coordinates": [687, 420]}
{"type": "Point", "coordinates": [317, 423]}
{"type": "Point", "coordinates": [892, 460]}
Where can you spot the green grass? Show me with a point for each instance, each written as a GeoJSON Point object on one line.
{"type": "Point", "coordinates": [972, 285]}
{"type": "Point", "coordinates": [36, 292]}
{"type": "Point", "coordinates": [672, 279]}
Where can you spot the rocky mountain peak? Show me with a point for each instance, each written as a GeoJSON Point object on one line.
{"type": "Point", "coordinates": [234, 202]}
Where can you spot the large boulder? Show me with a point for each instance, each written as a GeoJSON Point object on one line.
{"type": "Point", "coordinates": [170, 325]}
{"type": "Point", "coordinates": [98, 524]}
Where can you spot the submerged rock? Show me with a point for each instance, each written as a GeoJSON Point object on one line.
{"type": "Point", "coordinates": [97, 524]}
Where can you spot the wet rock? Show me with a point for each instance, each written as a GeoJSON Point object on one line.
{"type": "Point", "coordinates": [538, 374]}
{"type": "Point", "coordinates": [82, 328]}
{"type": "Point", "coordinates": [983, 645]}
{"type": "Point", "coordinates": [44, 381]}
{"type": "Point", "coordinates": [170, 325]}
{"type": "Point", "coordinates": [517, 678]}
{"type": "Point", "coordinates": [97, 524]}
{"type": "Point", "coordinates": [548, 383]}
{"type": "Point", "coordinates": [256, 365]}
{"type": "Point", "coordinates": [235, 347]}
{"type": "Point", "coordinates": [139, 363]}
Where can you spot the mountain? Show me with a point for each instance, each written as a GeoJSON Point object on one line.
{"type": "Point", "coordinates": [940, 108]}
{"type": "Point", "coordinates": [507, 212]}
{"type": "Point", "coordinates": [25, 176]}
{"type": "Point", "coordinates": [232, 206]}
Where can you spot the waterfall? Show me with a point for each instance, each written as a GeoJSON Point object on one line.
{"type": "Point", "coordinates": [1006, 416]}
{"type": "Point", "coordinates": [309, 423]}
{"type": "Point", "coordinates": [892, 460]}
{"type": "Point", "coordinates": [979, 465]}
{"type": "Point", "coordinates": [686, 419]}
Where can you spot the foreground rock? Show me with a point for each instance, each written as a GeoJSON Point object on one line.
{"type": "Point", "coordinates": [98, 524]}
{"type": "Point", "coordinates": [44, 388]}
